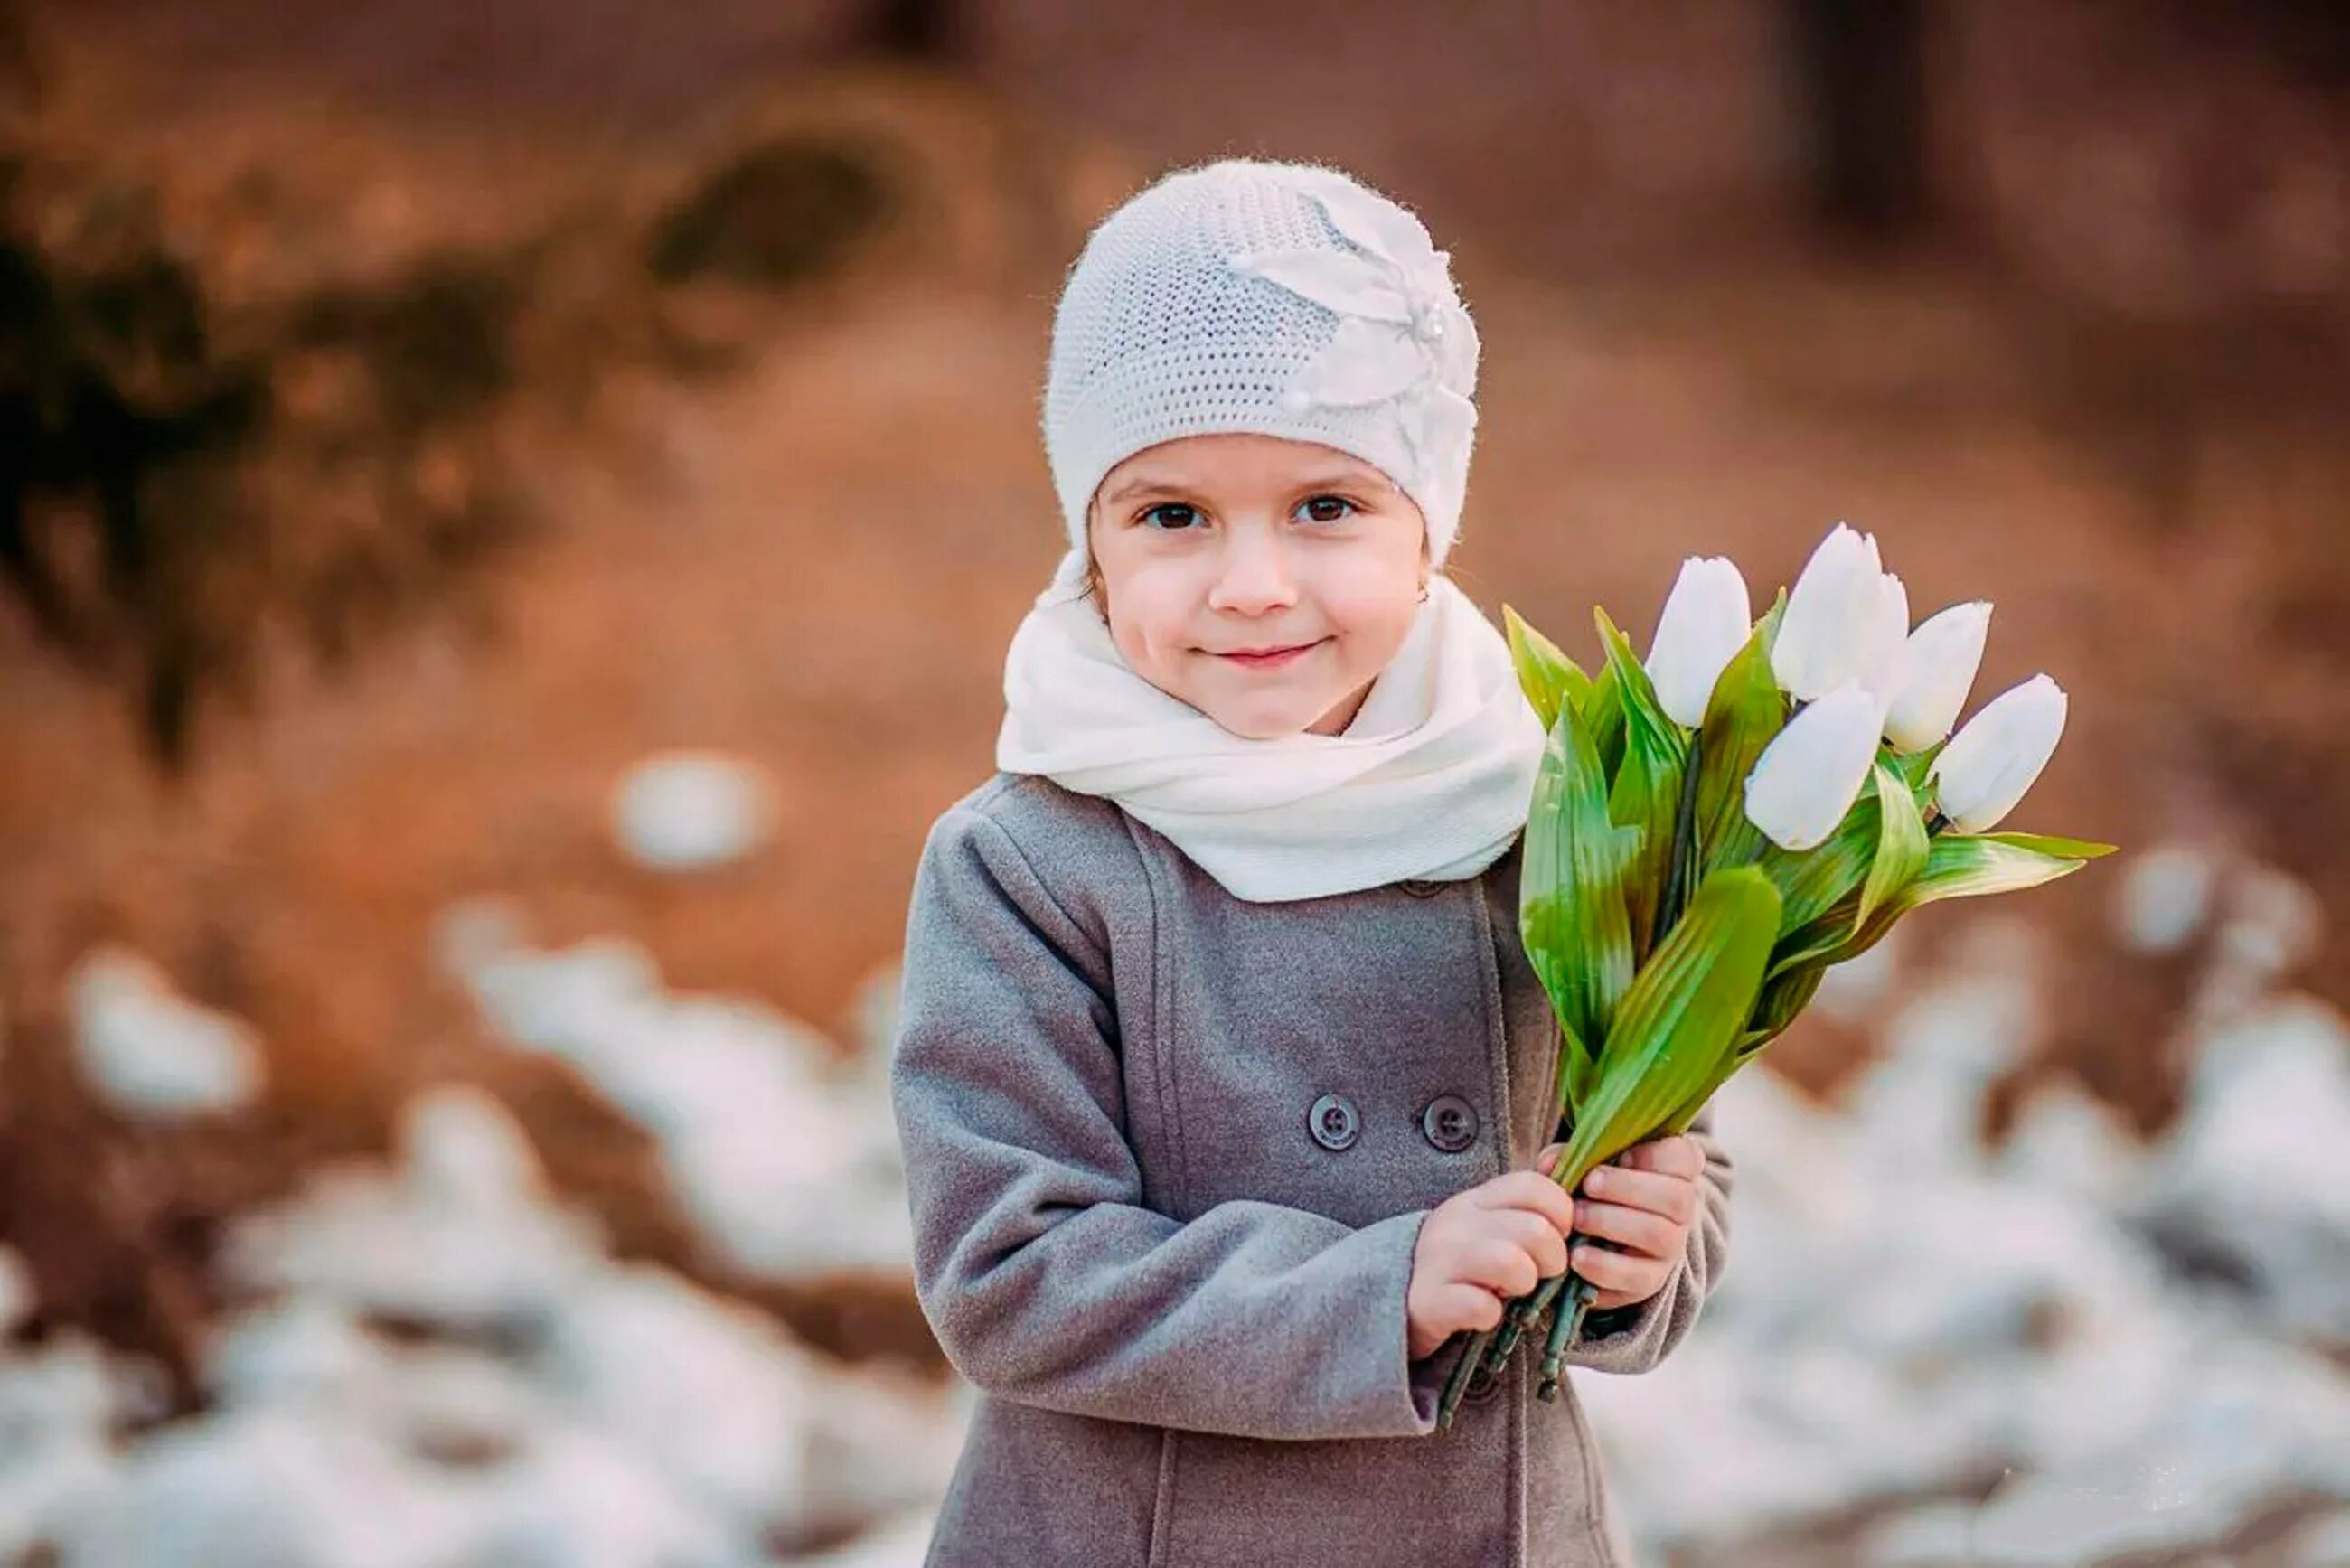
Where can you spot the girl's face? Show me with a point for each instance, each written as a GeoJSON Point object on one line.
{"type": "Point", "coordinates": [1210, 546]}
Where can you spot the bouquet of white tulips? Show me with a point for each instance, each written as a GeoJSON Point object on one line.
{"type": "Point", "coordinates": [1711, 830]}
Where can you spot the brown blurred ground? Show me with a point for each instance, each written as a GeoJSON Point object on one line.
{"type": "Point", "coordinates": [2105, 392]}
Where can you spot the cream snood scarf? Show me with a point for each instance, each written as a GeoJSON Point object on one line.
{"type": "Point", "coordinates": [1430, 782]}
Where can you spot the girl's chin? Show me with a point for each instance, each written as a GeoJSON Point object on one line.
{"type": "Point", "coordinates": [1265, 723]}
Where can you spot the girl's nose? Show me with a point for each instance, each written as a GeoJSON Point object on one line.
{"type": "Point", "coordinates": [1254, 576]}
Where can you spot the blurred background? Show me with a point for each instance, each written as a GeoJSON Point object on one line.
{"type": "Point", "coordinates": [509, 517]}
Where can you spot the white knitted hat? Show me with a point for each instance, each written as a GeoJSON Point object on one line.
{"type": "Point", "coordinates": [1287, 299]}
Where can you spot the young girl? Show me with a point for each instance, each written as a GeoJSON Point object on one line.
{"type": "Point", "coordinates": [1223, 1077]}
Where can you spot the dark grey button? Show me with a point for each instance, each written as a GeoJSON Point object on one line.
{"type": "Point", "coordinates": [1422, 890]}
{"type": "Point", "coordinates": [1482, 1385]}
{"type": "Point", "coordinates": [1450, 1122]}
{"type": "Point", "coordinates": [1333, 1121]}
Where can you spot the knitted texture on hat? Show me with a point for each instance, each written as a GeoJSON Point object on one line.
{"type": "Point", "coordinates": [1286, 300]}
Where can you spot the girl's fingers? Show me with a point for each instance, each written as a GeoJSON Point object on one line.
{"type": "Point", "coordinates": [1549, 1157]}
{"type": "Point", "coordinates": [1637, 1278]}
{"type": "Point", "coordinates": [1467, 1306]}
{"type": "Point", "coordinates": [1644, 1232]}
{"type": "Point", "coordinates": [1524, 1189]}
{"type": "Point", "coordinates": [1677, 1155]}
{"type": "Point", "coordinates": [1674, 1197]}
{"type": "Point", "coordinates": [1537, 1238]}
{"type": "Point", "coordinates": [1499, 1264]}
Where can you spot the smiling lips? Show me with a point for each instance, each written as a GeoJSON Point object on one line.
{"type": "Point", "coordinates": [1273, 660]}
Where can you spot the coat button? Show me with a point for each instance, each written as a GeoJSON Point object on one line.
{"type": "Point", "coordinates": [1333, 1121]}
{"type": "Point", "coordinates": [1422, 890]}
{"type": "Point", "coordinates": [1450, 1122]}
{"type": "Point", "coordinates": [1482, 1385]}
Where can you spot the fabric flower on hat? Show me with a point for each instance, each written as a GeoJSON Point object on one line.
{"type": "Point", "coordinates": [1402, 334]}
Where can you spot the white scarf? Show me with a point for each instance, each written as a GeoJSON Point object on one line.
{"type": "Point", "coordinates": [1430, 782]}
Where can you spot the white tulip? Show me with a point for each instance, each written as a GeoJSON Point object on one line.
{"type": "Point", "coordinates": [1810, 774]}
{"type": "Point", "coordinates": [1944, 653]}
{"type": "Point", "coordinates": [1998, 753]}
{"type": "Point", "coordinates": [1881, 658]}
{"type": "Point", "coordinates": [1707, 619]}
{"type": "Point", "coordinates": [1819, 644]}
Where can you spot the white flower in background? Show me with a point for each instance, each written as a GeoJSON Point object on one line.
{"type": "Point", "coordinates": [1832, 630]}
{"type": "Point", "coordinates": [1944, 653]}
{"type": "Point", "coordinates": [1707, 619]}
{"type": "Point", "coordinates": [1812, 771]}
{"type": "Point", "coordinates": [1994, 758]}
{"type": "Point", "coordinates": [1403, 333]}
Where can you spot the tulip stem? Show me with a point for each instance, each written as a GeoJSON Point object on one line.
{"type": "Point", "coordinates": [1457, 1385]}
{"type": "Point", "coordinates": [1524, 1312]}
{"type": "Point", "coordinates": [1564, 1329]}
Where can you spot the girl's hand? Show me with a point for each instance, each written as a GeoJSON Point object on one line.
{"type": "Point", "coordinates": [1480, 1248]}
{"type": "Point", "coordinates": [1643, 1201]}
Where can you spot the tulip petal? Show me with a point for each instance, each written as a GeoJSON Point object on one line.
{"type": "Point", "coordinates": [1995, 758]}
{"type": "Point", "coordinates": [1808, 775]}
{"type": "Point", "coordinates": [1944, 654]}
{"type": "Point", "coordinates": [1834, 596]}
{"type": "Point", "coordinates": [1881, 659]}
{"type": "Point", "coordinates": [1707, 619]}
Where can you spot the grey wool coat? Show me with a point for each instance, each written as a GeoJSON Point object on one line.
{"type": "Point", "coordinates": [1168, 1154]}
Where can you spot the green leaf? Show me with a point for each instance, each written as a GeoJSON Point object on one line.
{"type": "Point", "coordinates": [2049, 844]}
{"type": "Point", "coordinates": [1576, 1071]}
{"type": "Point", "coordinates": [1774, 1009]}
{"type": "Point", "coordinates": [1816, 942]}
{"type": "Point", "coordinates": [1602, 720]}
{"type": "Point", "coordinates": [1642, 801]}
{"type": "Point", "coordinates": [1745, 711]}
{"type": "Point", "coordinates": [1550, 679]}
{"type": "Point", "coordinates": [1769, 625]}
{"type": "Point", "coordinates": [1810, 881]}
{"type": "Point", "coordinates": [1957, 866]}
{"type": "Point", "coordinates": [1646, 722]}
{"type": "Point", "coordinates": [1685, 1012]}
{"type": "Point", "coordinates": [1901, 844]}
{"type": "Point", "coordinates": [1914, 766]}
{"type": "Point", "coordinates": [1571, 912]}
{"type": "Point", "coordinates": [1647, 792]}
{"type": "Point", "coordinates": [1784, 996]}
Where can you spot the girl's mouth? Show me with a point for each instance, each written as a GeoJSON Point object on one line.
{"type": "Point", "coordinates": [1271, 660]}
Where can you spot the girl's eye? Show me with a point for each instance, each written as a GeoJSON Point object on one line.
{"type": "Point", "coordinates": [1324, 508]}
{"type": "Point", "coordinates": [1186, 514]}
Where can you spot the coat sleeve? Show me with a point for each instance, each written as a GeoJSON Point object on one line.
{"type": "Point", "coordinates": [1045, 1276]}
{"type": "Point", "coordinates": [1636, 1337]}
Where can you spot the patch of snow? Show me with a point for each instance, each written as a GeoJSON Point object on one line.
{"type": "Point", "coordinates": [684, 811]}
{"type": "Point", "coordinates": [2163, 896]}
{"type": "Point", "coordinates": [150, 1053]}
{"type": "Point", "coordinates": [785, 1156]}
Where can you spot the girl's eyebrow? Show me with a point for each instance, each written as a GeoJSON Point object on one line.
{"type": "Point", "coordinates": [1140, 484]}
{"type": "Point", "coordinates": [1146, 483]}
